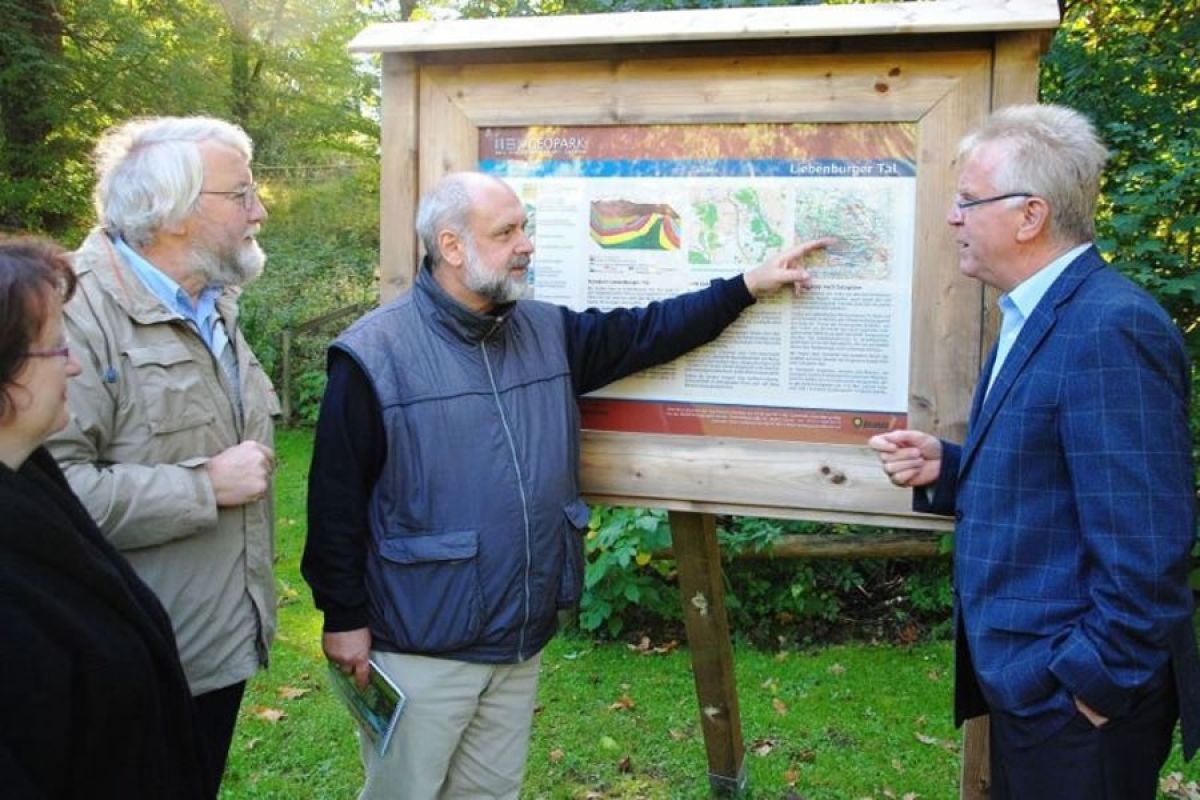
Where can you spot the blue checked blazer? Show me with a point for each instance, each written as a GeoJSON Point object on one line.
{"type": "Point", "coordinates": [1074, 504]}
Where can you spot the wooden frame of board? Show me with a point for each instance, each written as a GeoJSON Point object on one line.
{"type": "Point", "coordinates": [941, 66]}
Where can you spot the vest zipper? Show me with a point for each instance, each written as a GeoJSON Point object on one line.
{"type": "Point", "coordinates": [512, 447]}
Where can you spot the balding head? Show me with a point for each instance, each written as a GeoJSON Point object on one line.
{"type": "Point", "coordinates": [449, 204]}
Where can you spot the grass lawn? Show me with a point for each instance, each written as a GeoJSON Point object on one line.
{"type": "Point", "coordinates": [837, 723]}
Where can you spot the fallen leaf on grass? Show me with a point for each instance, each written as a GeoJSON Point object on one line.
{"type": "Point", "coordinates": [624, 703]}
{"type": "Point", "coordinates": [556, 755]}
{"type": "Point", "coordinates": [271, 715]}
{"type": "Point", "coordinates": [678, 735]}
{"type": "Point", "coordinates": [837, 669]}
{"type": "Point", "coordinates": [292, 692]}
{"type": "Point", "coordinates": [791, 776]}
{"type": "Point", "coordinates": [951, 747]}
{"type": "Point", "coordinates": [625, 765]}
{"type": "Point", "coordinates": [762, 747]}
{"type": "Point", "coordinates": [771, 685]}
{"type": "Point", "coordinates": [780, 707]}
{"type": "Point", "coordinates": [646, 647]}
{"type": "Point", "coordinates": [251, 744]}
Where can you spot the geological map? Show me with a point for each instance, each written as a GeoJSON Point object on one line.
{"type": "Point", "coordinates": [739, 225]}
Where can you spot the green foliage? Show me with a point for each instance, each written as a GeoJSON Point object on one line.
{"type": "Point", "coordinates": [1135, 69]}
{"type": "Point", "coordinates": [310, 389]}
{"type": "Point", "coordinates": [621, 572]}
{"type": "Point", "coordinates": [742, 534]}
{"type": "Point", "coordinates": [322, 244]}
{"type": "Point", "coordinates": [69, 70]}
{"type": "Point", "coordinates": [771, 602]}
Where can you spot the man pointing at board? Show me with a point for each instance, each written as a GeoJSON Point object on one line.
{"type": "Point", "coordinates": [445, 523]}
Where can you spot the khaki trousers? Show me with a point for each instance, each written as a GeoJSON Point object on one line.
{"type": "Point", "coordinates": [464, 732]}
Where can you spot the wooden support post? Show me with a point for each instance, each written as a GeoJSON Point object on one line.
{"type": "Point", "coordinates": [976, 780]}
{"type": "Point", "coordinates": [286, 377]}
{"type": "Point", "coordinates": [694, 541]}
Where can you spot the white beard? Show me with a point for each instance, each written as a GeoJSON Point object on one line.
{"type": "Point", "coordinates": [503, 288]}
{"type": "Point", "coordinates": [244, 267]}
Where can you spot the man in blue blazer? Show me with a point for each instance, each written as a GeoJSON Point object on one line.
{"type": "Point", "coordinates": [1073, 494]}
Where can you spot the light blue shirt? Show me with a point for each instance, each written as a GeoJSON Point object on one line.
{"type": "Point", "coordinates": [1018, 305]}
{"type": "Point", "coordinates": [202, 315]}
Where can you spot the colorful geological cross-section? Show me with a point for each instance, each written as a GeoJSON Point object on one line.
{"type": "Point", "coordinates": [626, 225]}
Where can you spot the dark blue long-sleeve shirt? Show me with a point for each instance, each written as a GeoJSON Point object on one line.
{"type": "Point", "coordinates": [351, 441]}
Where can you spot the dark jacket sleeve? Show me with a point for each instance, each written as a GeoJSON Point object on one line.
{"type": "Point", "coordinates": [604, 346]}
{"type": "Point", "coordinates": [942, 495]}
{"type": "Point", "coordinates": [14, 778]}
{"type": "Point", "coordinates": [348, 454]}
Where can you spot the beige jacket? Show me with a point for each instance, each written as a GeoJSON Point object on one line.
{"type": "Point", "coordinates": [150, 408]}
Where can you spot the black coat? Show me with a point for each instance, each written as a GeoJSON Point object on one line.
{"type": "Point", "coordinates": [93, 701]}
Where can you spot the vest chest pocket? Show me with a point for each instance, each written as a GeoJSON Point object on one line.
{"type": "Point", "coordinates": [431, 599]}
{"type": "Point", "coordinates": [171, 387]}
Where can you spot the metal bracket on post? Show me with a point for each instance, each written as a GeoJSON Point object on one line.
{"type": "Point", "coordinates": [725, 786]}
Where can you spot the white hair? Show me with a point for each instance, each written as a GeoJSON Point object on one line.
{"type": "Point", "coordinates": [149, 171]}
{"type": "Point", "coordinates": [448, 206]}
{"type": "Point", "coordinates": [1053, 152]}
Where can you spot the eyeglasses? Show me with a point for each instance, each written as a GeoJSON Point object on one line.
{"type": "Point", "coordinates": [247, 196]}
{"type": "Point", "coordinates": [54, 352]}
{"type": "Point", "coordinates": [963, 205]}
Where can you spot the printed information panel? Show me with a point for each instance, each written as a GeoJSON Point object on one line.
{"type": "Point", "coordinates": [623, 215]}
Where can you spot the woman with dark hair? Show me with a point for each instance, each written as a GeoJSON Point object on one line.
{"type": "Point", "coordinates": [93, 701]}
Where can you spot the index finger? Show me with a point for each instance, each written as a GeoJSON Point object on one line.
{"type": "Point", "coordinates": [804, 248]}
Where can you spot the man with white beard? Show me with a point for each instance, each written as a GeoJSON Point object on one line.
{"type": "Point", "coordinates": [169, 443]}
{"type": "Point", "coordinates": [445, 522]}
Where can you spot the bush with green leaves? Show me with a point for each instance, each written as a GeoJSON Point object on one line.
{"type": "Point", "coordinates": [630, 581]}
{"type": "Point", "coordinates": [621, 571]}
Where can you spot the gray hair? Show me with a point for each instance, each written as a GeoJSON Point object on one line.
{"type": "Point", "coordinates": [448, 207]}
{"type": "Point", "coordinates": [1053, 152]}
{"type": "Point", "coordinates": [149, 171]}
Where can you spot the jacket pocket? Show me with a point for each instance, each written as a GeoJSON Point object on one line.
{"type": "Point", "coordinates": [1017, 642]}
{"type": "Point", "coordinates": [432, 599]}
{"type": "Point", "coordinates": [570, 585]}
{"type": "Point", "coordinates": [171, 386]}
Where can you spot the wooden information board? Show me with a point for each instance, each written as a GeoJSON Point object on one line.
{"type": "Point", "coordinates": [510, 95]}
